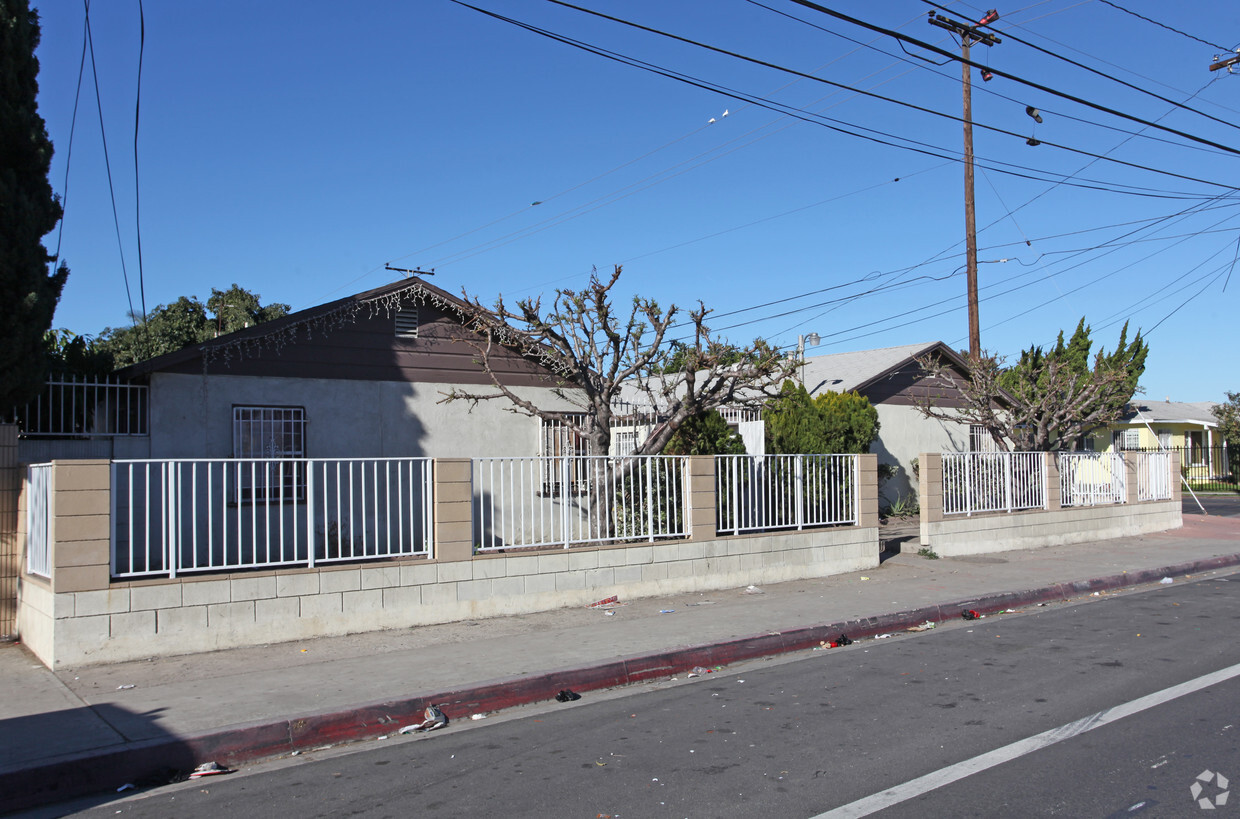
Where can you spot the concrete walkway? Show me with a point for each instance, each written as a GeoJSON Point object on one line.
{"type": "Point", "coordinates": [93, 729]}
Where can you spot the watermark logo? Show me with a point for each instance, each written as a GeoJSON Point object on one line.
{"type": "Point", "coordinates": [1204, 780]}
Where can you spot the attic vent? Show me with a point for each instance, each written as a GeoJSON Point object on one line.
{"type": "Point", "coordinates": [407, 322]}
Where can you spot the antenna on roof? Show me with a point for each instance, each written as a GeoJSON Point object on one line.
{"type": "Point", "coordinates": [414, 272]}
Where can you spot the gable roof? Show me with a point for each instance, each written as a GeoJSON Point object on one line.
{"type": "Point", "coordinates": [845, 372]}
{"type": "Point", "coordinates": [1169, 412]}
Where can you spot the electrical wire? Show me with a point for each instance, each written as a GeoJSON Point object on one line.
{"type": "Point", "coordinates": [106, 163]}
{"type": "Point", "coordinates": [137, 188]}
{"type": "Point", "coordinates": [1163, 25]}
{"type": "Point", "coordinates": [1070, 61]}
{"type": "Point", "coordinates": [64, 196]}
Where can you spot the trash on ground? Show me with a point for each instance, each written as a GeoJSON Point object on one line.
{"type": "Point", "coordinates": [432, 719]}
{"type": "Point", "coordinates": [609, 613]}
{"type": "Point", "coordinates": [477, 716]}
{"type": "Point", "coordinates": [606, 601]}
{"type": "Point", "coordinates": [970, 614]}
{"type": "Point", "coordinates": [1166, 581]}
{"type": "Point", "coordinates": [926, 626]}
{"type": "Point", "coordinates": [1009, 611]}
{"type": "Point", "coordinates": [698, 671]}
{"type": "Point", "coordinates": [567, 695]}
{"type": "Point", "coordinates": [667, 611]}
{"type": "Point", "coordinates": [753, 590]}
{"type": "Point", "coordinates": [125, 787]}
{"type": "Point", "coordinates": [842, 640]}
{"type": "Point", "coordinates": [865, 578]}
{"type": "Point", "coordinates": [209, 769]}
{"type": "Point", "coordinates": [125, 687]}
{"type": "Point", "coordinates": [881, 636]}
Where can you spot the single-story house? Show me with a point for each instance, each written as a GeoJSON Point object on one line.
{"type": "Point", "coordinates": [1190, 427]}
{"type": "Point", "coordinates": [894, 381]}
{"type": "Point", "coordinates": [363, 376]}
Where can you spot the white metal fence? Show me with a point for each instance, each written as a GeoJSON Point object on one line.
{"type": "Point", "coordinates": [993, 482]}
{"type": "Point", "coordinates": [81, 406]}
{"type": "Point", "coordinates": [38, 512]}
{"type": "Point", "coordinates": [1154, 478]}
{"type": "Point", "coordinates": [784, 491]}
{"type": "Point", "coordinates": [559, 501]}
{"type": "Point", "coordinates": [199, 515]}
{"type": "Point", "coordinates": [1091, 478]}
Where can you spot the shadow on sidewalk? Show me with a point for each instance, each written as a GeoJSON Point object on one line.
{"type": "Point", "coordinates": [58, 755]}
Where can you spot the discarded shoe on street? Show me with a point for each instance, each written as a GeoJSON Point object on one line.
{"type": "Point", "coordinates": [567, 696]}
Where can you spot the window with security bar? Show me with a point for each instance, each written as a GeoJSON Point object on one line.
{"type": "Point", "coordinates": [264, 438]}
{"type": "Point", "coordinates": [559, 447]}
{"type": "Point", "coordinates": [980, 439]}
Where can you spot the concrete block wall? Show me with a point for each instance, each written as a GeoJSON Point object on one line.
{"type": "Point", "coordinates": [958, 535]}
{"type": "Point", "coordinates": [79, 617]}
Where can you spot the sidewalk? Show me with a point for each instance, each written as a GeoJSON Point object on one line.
{"type": "Point", "coordinates": [94, 729]}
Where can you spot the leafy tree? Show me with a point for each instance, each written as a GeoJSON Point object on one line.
{"type": "Point", "coordinates": [184, 322]}
{"type": "Point", "coordinates": [71, 354]}
{"type": "Point", "coordinates": [1228, 415]}
{"type": "Point", "coordinates": [1049, 398]}
{"type": "Point", "coordinates": [705, 434]}
{"type": "Point", "coordinates": [830, 423]}
{"type": "Point", "coordinates": [28, 211]}
{"type": "Point", "coordinates": [600, 356]}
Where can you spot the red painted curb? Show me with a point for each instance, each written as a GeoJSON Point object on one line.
{"type": "Point", "coordinates": [102, 772]}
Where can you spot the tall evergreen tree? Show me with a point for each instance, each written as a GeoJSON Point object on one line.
{"type": "Point", "coordinates": [29, 210]}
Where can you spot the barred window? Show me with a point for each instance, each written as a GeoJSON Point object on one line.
{"type": "Point", "coordinates": [559, 445]}
{"type": "Point", "coordinates": [269, 435]}
{"type": "Point", "coordinates": [980, 439]}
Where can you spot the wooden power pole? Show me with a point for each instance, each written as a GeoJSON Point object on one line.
{"type": "Point", "coordinates": [969, 34]}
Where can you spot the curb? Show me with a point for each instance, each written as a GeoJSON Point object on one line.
{"type": "Point", "coordinates": [157, 761]}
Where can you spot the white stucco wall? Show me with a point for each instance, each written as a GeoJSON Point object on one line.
{"type": "Point", "coordinates": [191, 417]}
{"type": "Point", "coordinates": [903, 435]}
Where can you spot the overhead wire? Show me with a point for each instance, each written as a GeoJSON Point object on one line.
{"type": "Point", "coordinates": [137, 188]}
{"type": "Point", "coordinates": [64, 195]}
{"type": "Point", "coordinates": [106, 163]}
{"type": "Point", "coordinates": [1118, 7]}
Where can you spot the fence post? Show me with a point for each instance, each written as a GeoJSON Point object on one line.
{"type": "Point", "coordinates": [453, 503]}
{"type": "Point", "coordinates": [80, 529]}
{"type": "Point", "coordinates": [1177, 485]}
{"type": "Point", "coordinates": [1132, 481]}
{"type": "Point", "coordinates": [10, 490]}
{"type": "Point", "coordinates": [701, 514]}
{"type": "Point", "coordinates": [798, 482]}
{"type": "Point", "coordinates": [649, 466]}
{"type": "Point", "coordinates": [930, 491]}
{"type": "Point", "coordinates": [564, 494]}
{"type": "Point", "coordinates": [867, 490]}
{"type": "Point", "coordinates": [1052, 500]}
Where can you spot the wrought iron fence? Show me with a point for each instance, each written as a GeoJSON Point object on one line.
{"type": "Point", "coordinates": [85, 407]}
{"type": "Point", "coordinates": [784, 491]}
{"type": "Point", "coordinates": [1091, 478]}
{"type": "Point", "coordinates": [172, 517]}
{"type": "Point", "coordinates": [1208, 468]}
{"type": "Point", "coordinates": [561, 501]}
{"type": "Point", "coordinates": [993, 482]}
{"type": "Point", "coordinates": [38, 512]}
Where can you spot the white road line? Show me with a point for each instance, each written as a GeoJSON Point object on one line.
{"type": "Point", "coordinates": [952, 773]}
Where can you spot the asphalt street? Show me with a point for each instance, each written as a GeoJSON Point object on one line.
{"type": "Point", "coordinates": [808, 734]}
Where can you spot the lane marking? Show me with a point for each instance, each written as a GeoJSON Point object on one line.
{"type": "Point", "coordinates": [960, 770]}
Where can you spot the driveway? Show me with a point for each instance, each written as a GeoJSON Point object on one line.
{"type": "Point", "coordinates": [1225, 505]}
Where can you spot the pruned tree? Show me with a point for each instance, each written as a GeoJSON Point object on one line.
{"type": "Point", "coordinates": [1049, 398]}
{"type": "Point", "coordinates": [600, 359]}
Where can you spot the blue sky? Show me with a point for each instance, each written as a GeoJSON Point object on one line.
{"type": "Point", "coordinates": [295, 148]}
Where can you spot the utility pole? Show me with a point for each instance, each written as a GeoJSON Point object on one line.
{"type": "Point", "coordinates": [1227, 63]}
{"type": "Point", "coordinates": [969, 34]}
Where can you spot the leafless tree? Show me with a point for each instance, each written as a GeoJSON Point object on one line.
{"type": "Point", "coordinates": [600, 360]}
{"type": "Point", "coordinates": [1042, 405]}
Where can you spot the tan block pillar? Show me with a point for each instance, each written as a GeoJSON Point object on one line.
{"type": "Point", "coordinates": [80, 526]}
{"type": "Point", "coordinates": [1131, 472]}
{"type": "Point", "coordinates": [1177, 485]}
{"type": "Point", "coordinates": [453, 509]}
{"type": "Point", "coordinates": [867, 490]}
{"type": "Point", "coordinates": [701, 514]}
{"type": "Point", "coordinates": [930, 492]}
{"type": "Point", "coordinates": [1054, 499]}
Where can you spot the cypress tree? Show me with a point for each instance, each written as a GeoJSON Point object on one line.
{"type": "Point", "coordinates": [28, 211]}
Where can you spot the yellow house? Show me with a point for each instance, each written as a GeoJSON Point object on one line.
{"type": "Point", "coordinates": [1190, 428]}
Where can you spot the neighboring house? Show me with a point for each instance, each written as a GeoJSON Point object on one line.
{"type": "Point", "coordinates": [1189, 427]}
{"type": "Point", "coordinates": [363, 376]}
{"type": "Point", "coordinates": [893, 380]}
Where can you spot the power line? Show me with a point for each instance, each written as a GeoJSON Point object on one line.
{"type": "Point", "coordinates": [1163, 25]}
{"type": "Point", "coordinates": [106, 163]}
{"type": "Point", "coordinates": [137, 188]}
{"type": "Point", "coordinates": [805, 116]}
{"type": "Point", "coordinates": [1006, 75]}
{"type": "Point", "coordinates": [1080, 65]}
{"type": "Point", "coordinates": [64, 197]}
